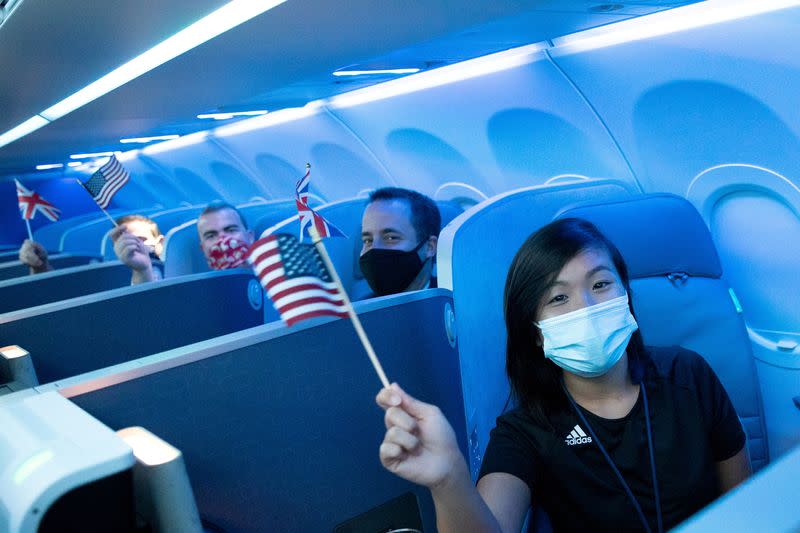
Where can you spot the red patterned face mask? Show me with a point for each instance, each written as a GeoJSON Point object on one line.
{"type": "Point", "coordinates": [227, 252]}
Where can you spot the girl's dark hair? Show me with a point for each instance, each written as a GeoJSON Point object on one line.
{"type": "Point", "coordinates": [535, 380]}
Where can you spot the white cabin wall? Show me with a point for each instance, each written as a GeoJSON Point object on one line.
{"type": "Point", "coordinates": [277, 153]}
{"type": "Point", "coordinates": [496, 132]}
{"type": "Point", "coordinates": [681, 103]}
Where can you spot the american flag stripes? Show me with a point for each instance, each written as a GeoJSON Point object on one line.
{"type": "Point", "coordinates": [105, 183]}
{"type": "Point", "coordinates": [295, 278]}
{"type": "Point", "coordinates": [31, 203]}
{"type": "Point", "coordinates": [308, 216]}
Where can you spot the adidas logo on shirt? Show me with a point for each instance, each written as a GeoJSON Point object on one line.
{"type": "Point", "coordinates": [577, 436]}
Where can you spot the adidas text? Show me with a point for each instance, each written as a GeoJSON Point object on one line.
{"type": "Point", "coordinates": [577, 436]}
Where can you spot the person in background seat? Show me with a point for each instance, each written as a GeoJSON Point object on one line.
{"type": "Point", "coordinates": [399, 232]}
{"type": "Point", "coordinates": [139, 244]}
{"type": "Point", "coordinates": [224, 236]}
{"type": "Point", "coordinates": [608, 435]}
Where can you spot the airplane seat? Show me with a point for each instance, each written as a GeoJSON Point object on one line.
{"type": "Point", "coordinates": [474, 253]}
{"type": "Point", "coordinates": [16, 269]}
{"type": "Point", "coordinates": [50, 235]}
{"type": "Point", "coordinates": [61, 284]}
{"type": "Point", "coordinates": [166, 220]}
{"type": "Point", "coordinates": [182, 253]}
{"type": "Point", "coordinates": [345, 215]}
{"type": "Point", "coordinates": [679, 295]}
{"type": "Point", "coordinates": [63, 470]}
{"type": "Point", "coordinates": [279, 461]}
{"type": "Point", "coordinates": [270, 219]}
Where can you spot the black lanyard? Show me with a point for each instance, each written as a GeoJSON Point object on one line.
{"type": "Point", "coordinates": [602, 448]}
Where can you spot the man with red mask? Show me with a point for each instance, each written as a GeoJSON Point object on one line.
{"type": "Point", "coordinates": [224, 237]}
{"type": "Point", "coordinates": [399, 232]}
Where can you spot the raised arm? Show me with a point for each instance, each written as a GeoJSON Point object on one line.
{"type": "Point", "coordinates": [131, 250]}
{"type": "Point", "coordinates": [420, 446]}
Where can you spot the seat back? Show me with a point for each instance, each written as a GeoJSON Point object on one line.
{"type": "Point", "coordinates": [87, 333]}
{"type": "Point", "coordinates": [87, 237]}
{"type": "Point", "coordinates": [679, 295]}
{"type": "Point", "coordinates": [182, 253]}
{"type": "Point", "coordinates": [62, 284]}
{"type": "Point", "coordinates": [475, 251]}
{"type": "Point", "coordinates": [166, 220]}
{"type": "Point", "coordinates": [17, 269]}
{"type": "Point", "coordinates": [345, 215]}
{"type": "Point", "coordinates": [278, 426]}
{"type": "Point", "coordinates": [360, 289]}
{"type": "Point", "coordinates": [49, 235]}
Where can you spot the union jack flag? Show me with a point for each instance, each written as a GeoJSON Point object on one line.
{"type": "Point", "coordinates": [307, 215]}
{"type": "Point", "coordinates": [31, 203]}
{"type": "Point", "coordinates": [105, 183]}
{"type": "Point", "coordinates": [295, 278]}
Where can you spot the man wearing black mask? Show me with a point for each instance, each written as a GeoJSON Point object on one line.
{"type": "Point", "coordinates": [399, 231]}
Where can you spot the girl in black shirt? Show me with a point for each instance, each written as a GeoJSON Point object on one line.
{"type": "Point", "coordinates": [607, 435]}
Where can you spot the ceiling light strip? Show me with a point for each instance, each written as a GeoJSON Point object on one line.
{"type": "Point", "coordinates": [428, 79]}
{"type": "Point", "coordinates": [376, 72]}
{"type": "Point", "coordinates": [91, 155]}
{"type": "Point", "coordinates": [17, 132]}
{"type": "Point", "coordinates": [666, 22]}
{"type": "Point", "coordinates": [232, 114]}
{"type": "Point", "coordinates": [223, 19]}
{"type": "Point", "coordinates": [143, 140]}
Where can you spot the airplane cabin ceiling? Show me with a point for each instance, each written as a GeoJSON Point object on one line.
{"type": "Point", "coordinates": [283, 58]}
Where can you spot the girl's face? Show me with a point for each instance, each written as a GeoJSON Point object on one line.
{"type": "Point", "coordinates": [587, 279]}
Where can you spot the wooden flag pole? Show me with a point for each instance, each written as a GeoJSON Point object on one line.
{"type": "Point", "coordinates": [98, 205]}
{"type": "Point", "coordinates": [362, 335]}
{"type": "Point", "coordinates": [28, 225]}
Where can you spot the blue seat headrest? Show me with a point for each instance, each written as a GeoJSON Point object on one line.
{"type": "Point", "coordinates": [657, 234]}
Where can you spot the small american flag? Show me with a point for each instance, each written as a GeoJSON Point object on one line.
{"type": "Point", "coordinates": [307, 215]}
{"type": "Point", "coordinates": [295, 278]}
{"type": "Point", "coordinates": [105, 183]}
{"type": "Point", "coordinates": [31, 203]}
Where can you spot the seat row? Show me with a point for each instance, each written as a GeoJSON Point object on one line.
{"type": "Point", "coordinates": [277, 425]}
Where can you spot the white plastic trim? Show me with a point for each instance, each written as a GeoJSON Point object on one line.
{"type": "Point", "coordinates": [708, 187]}
{"type": "Point", "coordinates": [455, 189]}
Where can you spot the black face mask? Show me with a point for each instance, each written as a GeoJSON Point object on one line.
{"type": "Point", "coordinates": [390, 271]}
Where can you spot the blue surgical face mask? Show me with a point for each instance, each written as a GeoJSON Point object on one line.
{"type": "Point", "coordinates": [589, 341]}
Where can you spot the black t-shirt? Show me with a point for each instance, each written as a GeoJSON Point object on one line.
{"type": "Point", "coordinates": [694, 425]}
